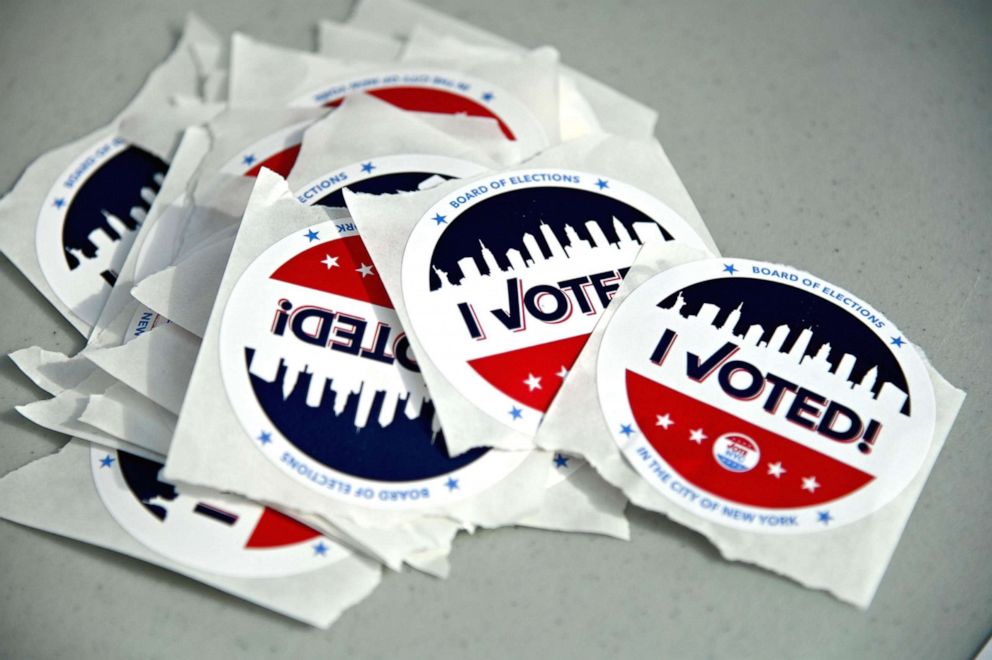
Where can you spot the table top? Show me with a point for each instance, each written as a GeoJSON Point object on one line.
{"type": "Point", "coordinates": [849, 139]}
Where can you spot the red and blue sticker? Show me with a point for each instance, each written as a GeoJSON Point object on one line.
{"type": "Point", "coordinates": [505, 278]}
{"type": "Point", "coordinates": [761, 397]}
{"type": "Point", "coordinates": [321, 376]}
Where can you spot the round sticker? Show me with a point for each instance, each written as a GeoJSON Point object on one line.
{"type": "Point", "coordinates": [404, 173]}
{"type": "Point", "coordinates": [202, 529]}
{"type": "Point", "coordinates": [383, 175]}
{"type": "Point", "coordinates": [323, 381]}
{"type": "Point", "coordinates": [505, 278]}
{"type": "Point", "coordinates": [763, 398]}
{"type": "Point", "coordinates": [90, 218]}
{"type": "Point", "coordinates": [441, 92]}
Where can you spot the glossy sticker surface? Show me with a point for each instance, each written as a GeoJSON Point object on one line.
{"type": "Point", "coordinates": [321, 376]}
{"type": "Point", "coordinates": [505, 279]}
{"type": "Point", "coordinates": [762, 397]}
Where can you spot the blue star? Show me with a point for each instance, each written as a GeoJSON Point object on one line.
{"type": "Point", "coordinates": [320, 549]}
{"type": "Point", "coordinates": [602, 183]}
{"type": "Point", "coordinates": [59, 202]}
{"type": "Point", "coordinates": [106, 461]}
{"type": "Point", "coordinates": [897, 341]}
{"type": "Point", "coordinates": [265, 437]}
{"type": "Point", "coordinates": [627, 429]}
{"type": "Point", "coordinates": [312, 235]}
{"type": "Point", "coordinates": [451, 483]}
{"type": "Point", "coordinates": [439, 219]}
{"type": "Point", "coordinates": [729, 268]}
{"type": "Point", "coordinates": [368, 167]}
{"type": "Point", "coordinates": [561, 461]}
{"type": "Point", "coordinates": [248, 160]}
{"type": "Point", "coordinates": [487, 97]}
{"type": "Point", "coordinates": [516, 413]}
{"type": "Point", "coordinates": [824, 517]}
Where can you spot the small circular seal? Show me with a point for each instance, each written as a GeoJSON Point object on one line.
{"type": "Point", "coordinates": [736, 452]}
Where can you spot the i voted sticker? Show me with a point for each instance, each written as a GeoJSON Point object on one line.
{"type": "Point", "coordinates": [89, 220]}
{"type": "Point", "coordinates": [505, 278]}
{"type": "Point", "coordinates": [420, 90]}
{"type": "Point", "coordinates": [761, 397]}
{"type": "Point", "coordinates": [323, 381]}
{"type": "Point", "coordinates": [202, 529]}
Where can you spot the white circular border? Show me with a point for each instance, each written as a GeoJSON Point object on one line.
{"type": "Point", "coordinates": [611, 371]}
{"type": "Point", "coordinates": [183, 549]}
{"type": "Point", "coordinates": [385, 165]}
{"type": "Point", "coordinates": [526, 129]}
{"type": "Point", "coordinates": [416, 267]}
{"type": "Point", "coordinates": [470, 479]}
{"type": "Point", "coordinates": [268, 146]}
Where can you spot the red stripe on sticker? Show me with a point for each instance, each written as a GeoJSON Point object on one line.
{"type": "Point", "coordinates": [342, 267]}
{"type": "Point", "coordinates": [531, 375]}
{"type": "Point", "coordinates": [275, 529]}
{"type": "Point", "coordinates": [424, 99]}
{"type": "Point", "coordinates": [733, 458]}
{"type": "Point", "coordinates": [280, 163]}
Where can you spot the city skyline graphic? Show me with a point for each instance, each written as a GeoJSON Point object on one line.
{"type": "Point", "coordinates": [379, 431]}
{"type": "Point", "coordinates": [861, 372]}
{"type": "Point", "coordinates": [109, 206]}
{"type": "Point", "coordinates": [547, 248]}
{"type": "Point", "coordinates": [539, 228]}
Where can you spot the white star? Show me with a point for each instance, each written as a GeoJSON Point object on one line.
{"type": "Point", "coordinates": [697, 436]}
{"type": "Point", "coordinates": [562, 372]}
{"type": "Point", "coordinates": [365, 270]}
{"type": "Point", "coordinates": [330, 261]}
{"type": "Point", "coordinates": [664, 421]}
{"type": "Point", "coordinates": [776, 469]}
{"type": "Point", "coordinates": [533, 382]}
{"type": "Point", "coordinates": [809, 483]}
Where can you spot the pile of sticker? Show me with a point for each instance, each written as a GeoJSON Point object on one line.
{"type": "Point", "coordinates": [343, 305]}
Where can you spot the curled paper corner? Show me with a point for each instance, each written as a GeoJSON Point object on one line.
{"type": "Point", "coordinates": [50, 370]}
{"type": "Point", "coordinates": [157, 364]}
{"type": "Point", "coordinates": [123, 413]}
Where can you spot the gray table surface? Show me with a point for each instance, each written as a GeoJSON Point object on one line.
{"type": "Point", "coordinates": [850, 139]}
